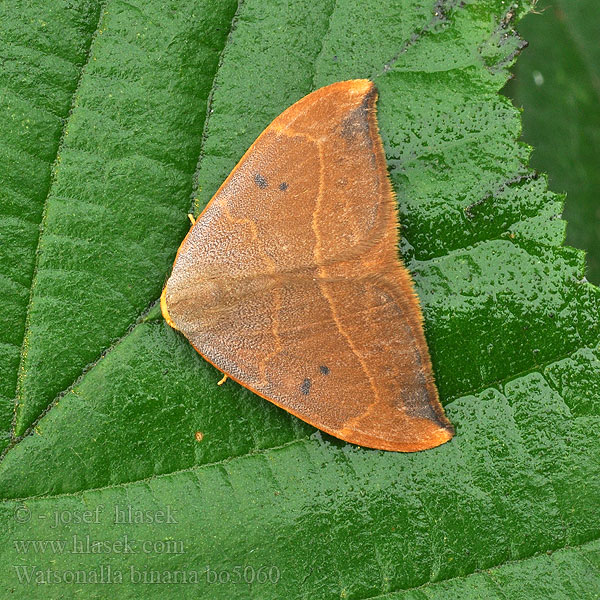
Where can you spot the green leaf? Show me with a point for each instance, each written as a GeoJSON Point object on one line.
{"type": "Point", "coordinates": [154, 105]}
{"type": "Point", "coordinates": [570, 573]}
{"type": "Point", "coordinates": [557, 81]}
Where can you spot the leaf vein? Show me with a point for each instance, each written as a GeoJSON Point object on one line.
{"type": "Point", "coordinates": [44, 216]}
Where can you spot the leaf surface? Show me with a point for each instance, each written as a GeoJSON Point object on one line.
{"type": "Point", "coordinates": [111, 402]}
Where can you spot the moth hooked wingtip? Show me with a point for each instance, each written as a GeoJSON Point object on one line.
{"type": "Point", "coordinates": [439, 432]}
{"type": "Point", "coordinates": [434, 437]}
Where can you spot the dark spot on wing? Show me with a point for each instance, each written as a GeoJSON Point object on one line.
{"type": "Point", "coordinates": [305, 387]}
{"type": "Point", "coordinates": [260, 181]}
{"type": "Point", "coordinates": [283, 186]}
{"type": "Point", "coordinates": [324, 370]}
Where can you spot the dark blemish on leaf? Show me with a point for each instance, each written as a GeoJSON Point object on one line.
{"type": "Point", "coordinates": [513, 181]}
{"type": "Point", "coordinates": [325, 370]}
{"type": "Point", "coordinates": [283, 186]}
{"type": "Point", "coordinates": [260, 181]}
{"type": "Point", "coordinates": [305, 387]}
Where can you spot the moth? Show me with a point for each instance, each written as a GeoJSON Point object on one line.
{"type": "Point", "coordinates": [290, 281]}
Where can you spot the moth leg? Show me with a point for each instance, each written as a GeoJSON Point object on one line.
{"type": "Point", "coordinates": [223, 379]}
{"type": "Point", "coordinates": [191, 218]}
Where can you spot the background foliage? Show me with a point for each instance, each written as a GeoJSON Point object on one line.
{"type": "Point", "coordinates": [116, 119]}
{"type": "Point", "coordinates": [557, 82]}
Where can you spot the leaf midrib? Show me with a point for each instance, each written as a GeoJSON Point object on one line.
{"type": "Point", "coordinates": [209, 103]}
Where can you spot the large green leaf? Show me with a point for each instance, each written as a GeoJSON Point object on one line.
{"type": "Point", "coordinates": [109, 399]}
{"type": "Point", "coordinates": [557, 81]}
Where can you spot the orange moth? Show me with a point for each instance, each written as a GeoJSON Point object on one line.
{"type": "Point", "coordinates": [290, 281]}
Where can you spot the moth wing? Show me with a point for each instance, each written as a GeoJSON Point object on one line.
{"type": "Point", "coordinates": [290, 280]}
